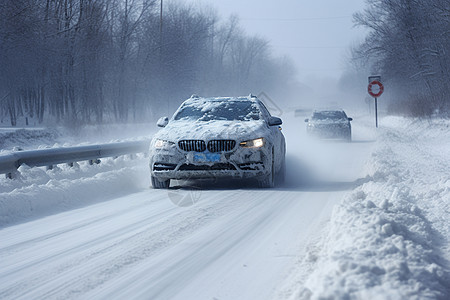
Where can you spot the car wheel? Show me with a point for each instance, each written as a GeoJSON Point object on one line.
{"type": "Point", "coordinates": [349, 137]}
{"type": "Point", "coordinates": [160, 184]}
{"type": "Point", "coordinates": [268, 181]}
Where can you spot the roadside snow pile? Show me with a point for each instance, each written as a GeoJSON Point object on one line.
{"type": "Point", "coordinates": [36, 192]}
{"type": "Point", "coordinates": [390, 237]}
{"type": "Point", "coordinates": [25, 138]}
{"type": "Point", "coordinates": [30, 138]}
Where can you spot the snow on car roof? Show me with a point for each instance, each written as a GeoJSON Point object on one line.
{"type": "Point", "coordinates": [195, 98]}
{"type": "Point", "coordinates": [327, 109]}
{"type": "Point", "coordinates": [230, 108]}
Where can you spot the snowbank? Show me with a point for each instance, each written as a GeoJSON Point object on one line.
{"type": "Point", "coordinates": [25, 138]}
{"type": "Point", "coordinates": [389, 238]}
{"type": "Point", "coordinates": [30, 138]}
{"type": "Point", "coordinates": [37, 192]}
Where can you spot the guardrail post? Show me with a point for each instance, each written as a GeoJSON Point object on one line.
{"type": "Point", "coordinates": [94, 161]}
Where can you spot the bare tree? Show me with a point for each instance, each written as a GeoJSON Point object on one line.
{"type": "Point", "coordinates": [93, 61]}
{"type": "Point", "coordinates": [407, 43]}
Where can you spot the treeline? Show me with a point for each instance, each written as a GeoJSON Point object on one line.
{"type": "Point", "coordinates": [96, 61]}
{"type": "Point", "coordinates": [409, 45]}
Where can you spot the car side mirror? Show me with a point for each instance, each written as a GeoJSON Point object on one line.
{"type": "Point", "coordinates": [162, 122]}
{"type": "Point", "coordinates": [306, 120]}
{"type": "Point", "coordinates": [274, 121]}
{"type": "Point", "coordinates": [350, 119]}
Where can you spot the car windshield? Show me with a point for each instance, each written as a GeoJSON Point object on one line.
{"type": "Point", "coordinates": [329, 115]}
{"type": "Point", "coordinates": [219, 110]}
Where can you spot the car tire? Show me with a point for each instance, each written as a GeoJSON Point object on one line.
{"type": "Point", "coordinates": [349, 137]}
{"type": "Point", "coordinates": [160, 184]}
{"type": "Point", "coordinates": [268, 181]}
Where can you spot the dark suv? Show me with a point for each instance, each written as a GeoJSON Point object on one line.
{"type": "Point", "coordinates": [331, 124]}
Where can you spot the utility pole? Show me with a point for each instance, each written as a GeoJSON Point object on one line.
{"type": "Point", "coordinates": [160, 31]}
{"type": "Point", "coordinates": [160, 52]}
{"type": "Point", "coordinates": [160, 22]}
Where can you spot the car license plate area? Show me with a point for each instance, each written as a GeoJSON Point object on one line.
{"type": "Point", "coordinates": [206, 157]}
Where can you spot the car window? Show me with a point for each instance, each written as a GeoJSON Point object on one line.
{"type": "Point", "coordinates": [264, 110]}
{"type": "Point", "coordinates": [216, 110]}
{"type": "Point", "coordinates": [329, 115]}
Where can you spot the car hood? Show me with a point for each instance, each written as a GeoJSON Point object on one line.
{"type": "Point", "coordinates": [211, 130]}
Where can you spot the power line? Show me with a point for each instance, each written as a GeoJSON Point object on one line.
{"type": "Point", "coordinates": [296, 19]}
{"type": "Point", "coordinates": [311, 47]}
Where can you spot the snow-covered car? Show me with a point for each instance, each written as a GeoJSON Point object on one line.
{"type": "Point", "coordinates": [333, 124]}
{"type": "Point", "coordinates": [224, 137]}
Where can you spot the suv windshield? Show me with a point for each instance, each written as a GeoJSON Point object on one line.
{"type": "Point", "coordinates": [216, 110]}
{"type": "Point", "coordinates": [332, 115]}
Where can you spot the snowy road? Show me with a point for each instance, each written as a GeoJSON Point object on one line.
{"type": "Point", "coordinates": [231, 244]}
{"type": "Point", "coordinates": [218, 242]}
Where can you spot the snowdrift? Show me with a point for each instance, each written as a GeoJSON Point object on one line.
{"type": "Point", "coordinates": [389, 238]}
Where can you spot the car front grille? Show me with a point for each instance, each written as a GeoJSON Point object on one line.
{"type": "Point", "coordinates": [252, 166]}
{"type": "Point", "coordinates": [221, 145]}
{"type": "Point", "coordinates": [192, 145]}
{"type": "Point", "coordinates": [213, 146]}
{"type": "Point", "coordinates": [214, 167]}
{"type": "Point", "coordinates": [159, 166]}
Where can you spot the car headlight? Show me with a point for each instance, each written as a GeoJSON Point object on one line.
{"type": "Point", "coordinates": [256, 143]}
{"type": "Point", "coordinates": [159, 144]}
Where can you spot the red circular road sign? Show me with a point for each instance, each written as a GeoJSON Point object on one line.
{"type": "Point", "coordinates": [375, 88]}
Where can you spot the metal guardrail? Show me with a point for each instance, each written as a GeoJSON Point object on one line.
{"type": "Point", "coordinates": [49, 157]}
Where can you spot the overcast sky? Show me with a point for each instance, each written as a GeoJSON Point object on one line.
{"type": "Point", "coordinates": [316, 34]}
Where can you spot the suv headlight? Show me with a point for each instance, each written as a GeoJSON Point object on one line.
{"type": "Point", "coordinates": [160, 144]}
{"type": "Point", "coordinates": [256, 143]}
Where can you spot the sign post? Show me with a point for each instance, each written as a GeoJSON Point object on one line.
{"type": "Point", "coordinates": [375, 90]}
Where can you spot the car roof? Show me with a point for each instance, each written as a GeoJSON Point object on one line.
{"type": "Point", "coordinates": [195, 98]}
{"type": "Point", "coordinates": [327, 109]}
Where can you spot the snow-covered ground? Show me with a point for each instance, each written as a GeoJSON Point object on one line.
{"type": "Point", "coordinates": [364, 220]}
{"type": "Point", "coordinates": [29, 138]}
{"type": "Point", "coordinates": [389, 238]}
{"type": "Point", "coordinates": [36, 192]}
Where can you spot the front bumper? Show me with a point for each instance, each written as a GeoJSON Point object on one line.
{"type": "Point", "coordinates": [329, 131]}
{"type": "Point", "coordinates": [239, 163]}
